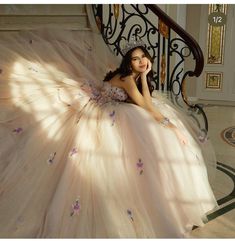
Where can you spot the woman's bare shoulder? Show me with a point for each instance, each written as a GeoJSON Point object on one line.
{"type": "Point", "coordinates": [123, 82]}
{"type": "Point", "coordinates": [117, 81]}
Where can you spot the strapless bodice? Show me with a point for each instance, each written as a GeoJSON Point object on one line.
{"type": "Point", "coordinates": [109, 93]}
{"type": "Point", "coordinates": [115, 93]}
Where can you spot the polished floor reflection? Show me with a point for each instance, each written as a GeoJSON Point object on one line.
{"type": "Point", "coordinates": [222, 221]}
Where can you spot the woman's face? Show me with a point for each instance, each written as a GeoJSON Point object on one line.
{"type": "Point", "coordinates": [138, 61]}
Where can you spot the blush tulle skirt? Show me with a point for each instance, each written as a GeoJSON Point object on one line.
{"type": "Point", "coordinates": [74, 168]}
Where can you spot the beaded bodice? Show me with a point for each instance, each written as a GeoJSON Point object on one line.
{"type": "Point", "coordinates": [110, 93]}
{"type": "Point", "coordinates": [114, 92]}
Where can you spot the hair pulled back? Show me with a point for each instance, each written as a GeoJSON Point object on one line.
{"type": "Point", "coordinates": [125, 69]}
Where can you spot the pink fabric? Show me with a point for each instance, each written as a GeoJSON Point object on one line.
{"type": "Point", "coordinates": [78, 161]}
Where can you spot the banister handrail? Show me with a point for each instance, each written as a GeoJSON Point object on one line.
{"type": "Point", "coordinates": [196, 50]}
{"type": "Point", "coordinates": [114, 29]}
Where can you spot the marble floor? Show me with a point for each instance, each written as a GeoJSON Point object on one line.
{"type": "Point", "coordinates": [221, 222]}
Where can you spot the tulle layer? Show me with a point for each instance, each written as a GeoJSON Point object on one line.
{"type": "Point", "coordinates": [72, 167]}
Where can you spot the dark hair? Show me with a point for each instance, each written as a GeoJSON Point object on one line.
{"type": "Point", "coordinates": [125, 69]}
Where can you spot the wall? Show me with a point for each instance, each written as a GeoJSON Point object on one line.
{"type": "Point", "coordinates": [193, 28]}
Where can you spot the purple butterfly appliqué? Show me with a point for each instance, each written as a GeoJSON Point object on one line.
{"type": "Point", "coordinates": [18, 130]}
{"type": "Point", "coordinates": [112, 115]}
{"type": "Point", "coordinates": [73, 151]}
{"type": "Point", "coordinates": [140, 166]}
{"type": "Point", "coordinates": [76, 207]}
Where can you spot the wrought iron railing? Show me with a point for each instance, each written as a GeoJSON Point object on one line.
{"type": "Point", "coordinates": [169, 45]}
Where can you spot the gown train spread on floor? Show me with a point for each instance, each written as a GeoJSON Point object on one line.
{"type": "Point", "coordinates": [79, 161]}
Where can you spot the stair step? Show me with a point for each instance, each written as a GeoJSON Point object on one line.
{"type": "Point", "coordinates": [29, 21]}
{"type": "Point", "coordinates": [11, 33]}
{"type": "Point", "coordinates": [62, 26]}
{"type": "Point", "coordinates": [42, 9]}
{"type": "Point", "coordinates": [15, 17]}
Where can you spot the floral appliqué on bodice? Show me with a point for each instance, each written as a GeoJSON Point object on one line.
{"type": "Point", "coordinates": [110, 93]}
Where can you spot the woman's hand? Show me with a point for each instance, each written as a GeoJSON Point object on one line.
{"type": "Point", "coordinates": [168, 124]}
{"type": "Point", "coordinates": [149, 67]}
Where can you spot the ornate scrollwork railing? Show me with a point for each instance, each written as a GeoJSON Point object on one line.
{"type": "Point", "coordinates": [169, 45]}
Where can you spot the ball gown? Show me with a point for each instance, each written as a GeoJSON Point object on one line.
{"type": "Point", "coordinates": [78, 161]}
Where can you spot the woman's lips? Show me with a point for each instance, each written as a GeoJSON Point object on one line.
{"type": "Point", "coordinates": [142, 66]}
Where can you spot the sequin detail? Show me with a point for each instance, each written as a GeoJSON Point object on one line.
{"type": "Point", "coordinates": [108, 93]}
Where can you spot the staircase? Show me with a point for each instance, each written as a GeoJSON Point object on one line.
{"type": "Point", "coordinates": [171, 47]}
{"type": "Point", "coordinates": [14, 17]}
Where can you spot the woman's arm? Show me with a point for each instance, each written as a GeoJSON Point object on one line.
{"type": "Point", "coordinates": [130, 87]}
{"type": "Point", "coordinates": [133, 92]}
{"type": "Point", "coordinates": [145, 88]}
{"type": "Point", "coordinates": [147, 96]}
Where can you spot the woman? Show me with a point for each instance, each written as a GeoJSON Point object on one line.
{"type": "Point", "coordinates": [79, 160]}
{"type": "Point", "coordinates": [138, 61]}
